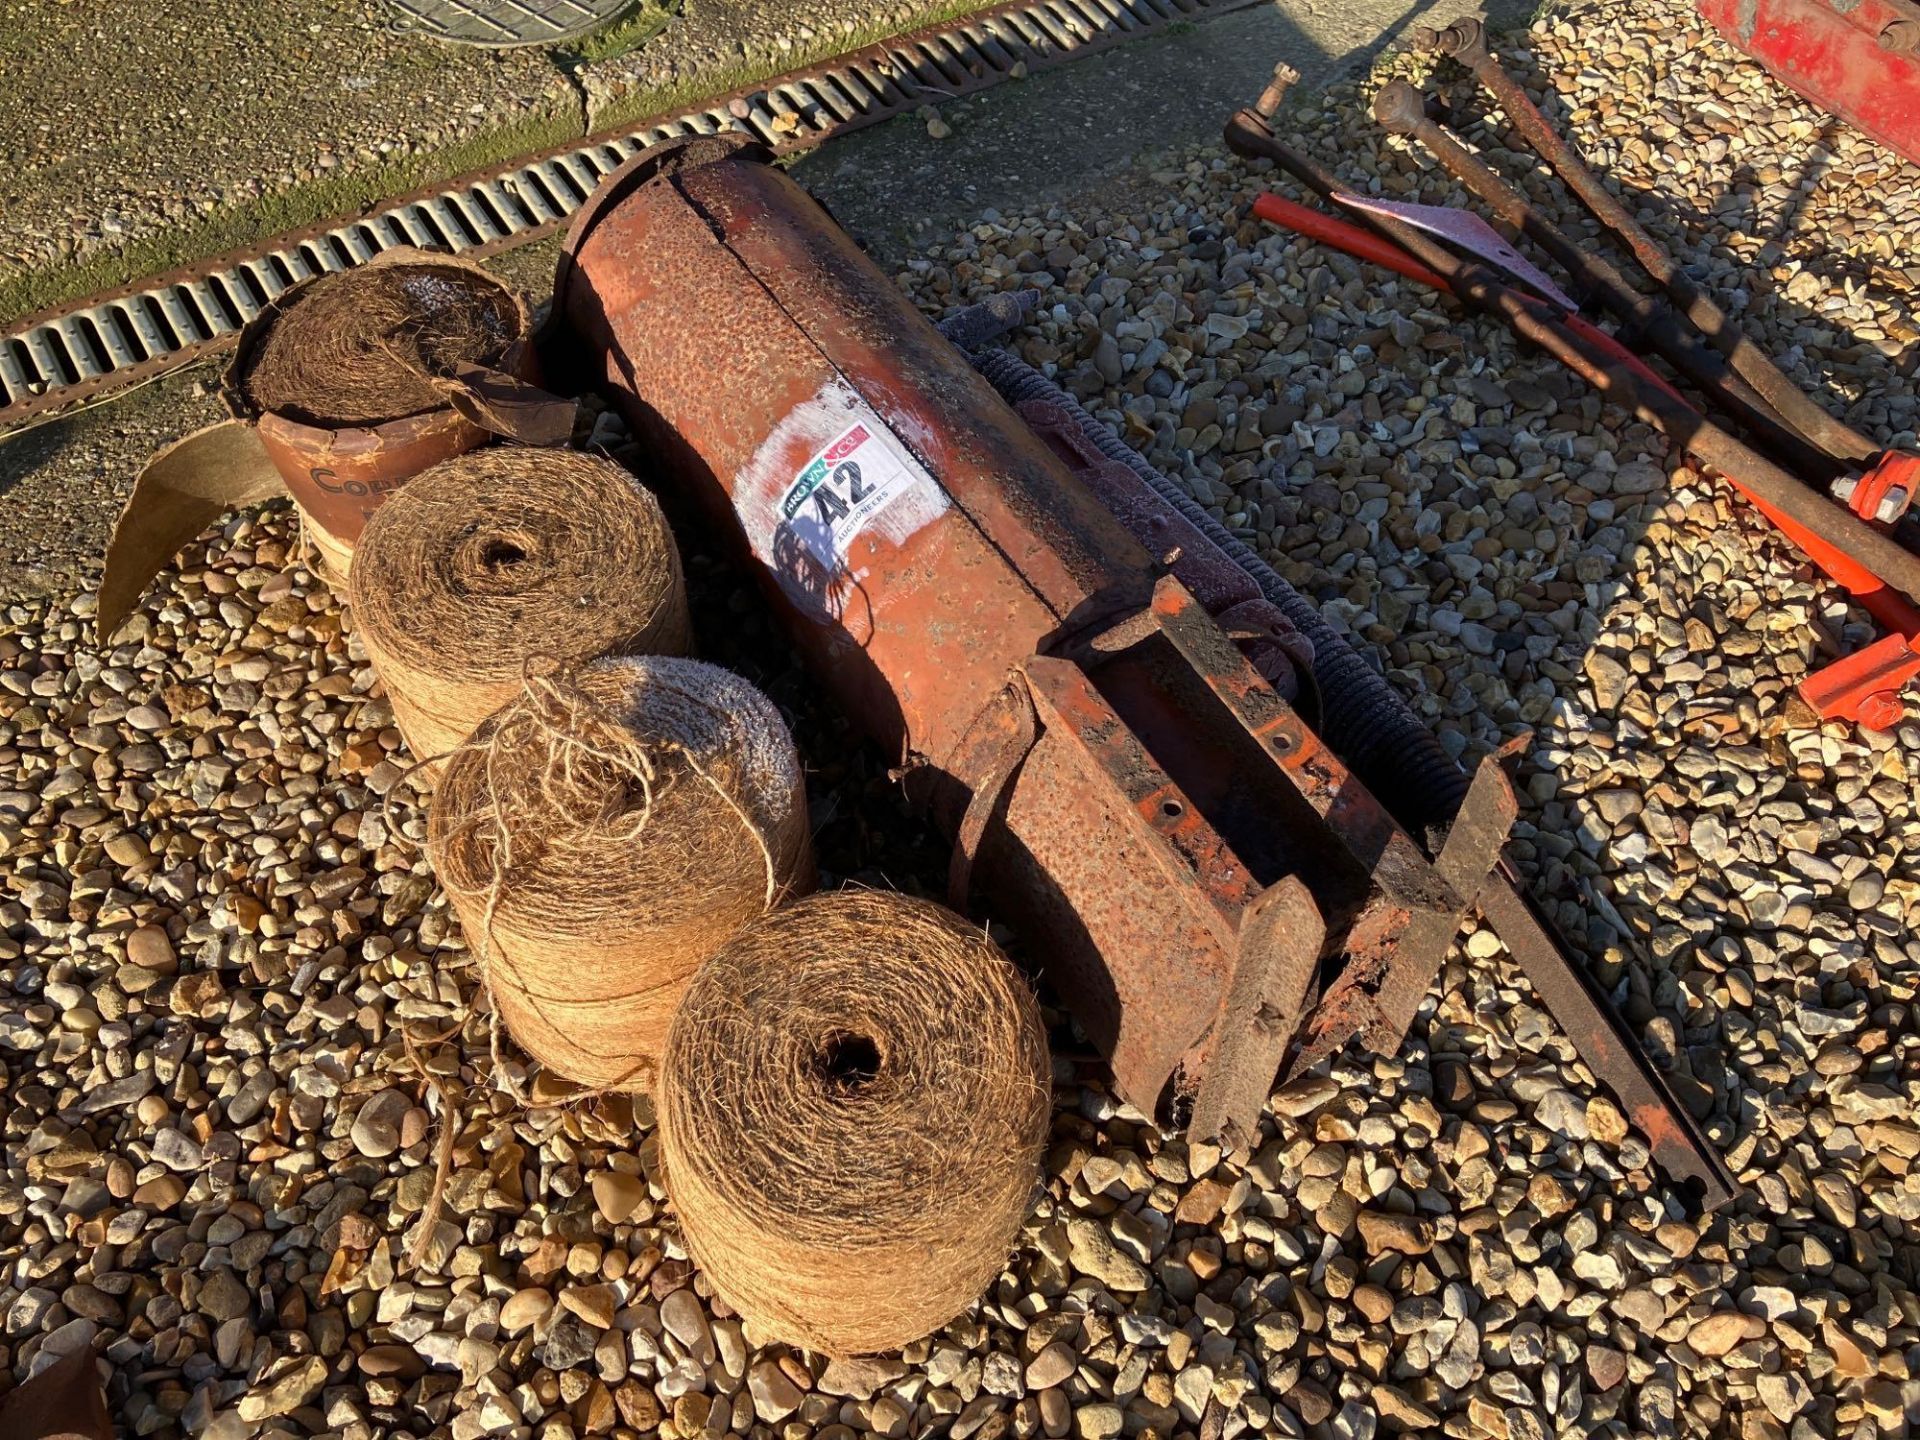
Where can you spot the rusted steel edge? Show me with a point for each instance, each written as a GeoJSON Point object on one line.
{"type": "Point", "coordinates": [36, 409]}
{"type": "Point", "coordinates": [1466, 41]}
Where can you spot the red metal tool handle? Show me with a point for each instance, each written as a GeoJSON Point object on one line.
{"type": "Point", "coordinates": [1343, 235]}
{"type": "Point", "coordinates": [1835, 692]}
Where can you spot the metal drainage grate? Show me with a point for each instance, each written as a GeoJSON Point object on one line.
{"type": "Point", "coordinates": [503, 23]}
{"type": "Point", "coordinates": [118, 339]}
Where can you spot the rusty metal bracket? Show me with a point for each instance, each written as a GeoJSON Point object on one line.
{"type": "Point", "coordinates": [1281, 936]}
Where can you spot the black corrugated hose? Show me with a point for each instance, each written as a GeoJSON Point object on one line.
{"type": "Point", "coordinates": [1366, 721]}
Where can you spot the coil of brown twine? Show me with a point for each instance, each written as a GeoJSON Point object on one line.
{"type": "Point", "coordinates": [852, 1109]}
{"type": "Point", "coordinates": [602, 835]}
{"type": "Point", "coordinates": [500, 555]}
{"type": "Point", "coordinates": [361, 347]}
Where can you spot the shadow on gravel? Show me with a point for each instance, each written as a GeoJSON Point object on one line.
{"type": "Point", "coordinates": [1095, 121]}
{"type": "Point", "coordinates": [24, 453]}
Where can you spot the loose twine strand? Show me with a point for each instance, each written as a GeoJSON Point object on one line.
{"type": "Point", "coordinates": [561, 766]}
{"type": "Point", "coordinates": [578, 742]}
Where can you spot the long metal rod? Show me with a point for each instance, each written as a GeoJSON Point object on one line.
{"type": "Point", "coordinates": [1400, 110]}
{"type": "Point", "coordinates": [1595, 1028]}
{"type": "Point", "coordinates": [1604, 1042]}
{"type": "Point", "coordinates": [1479, 287]}
{"type": "Point", "coordinates": [1466, 41]}
{"type": "Point", "coordinates": [1889, 607]}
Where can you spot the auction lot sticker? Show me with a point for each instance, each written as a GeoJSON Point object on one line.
{"type": "Point", "coordinates": [860, 479]}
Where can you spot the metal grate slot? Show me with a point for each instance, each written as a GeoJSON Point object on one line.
{"type": "Point", "coordinates": [157, 335]}
{"type": "Point", "coordinates": [13, 372]}
{"type": "Point", "coordinates": [949, 72]}
{"type": "Point", "coordinates": [115, 330]}
{"type": "Point", "coordinates": [583, 177]}
{"type": "Point", "coordinates": [217, 304]}
{"type": "Point", "coordinates": [52, 363]}
{"type": "Point", "coordinates": [534, 196]}
{"type": "Point", "coordinates": [112, 340]}
{"type": "Point", "coordinates": [987, 41]}
{"type": "Point", "coordinates": [83, 346]}
{"type": "Point", "coordinates": [250, 293]}
{"type": "Point", "coordinates": [831, 96]}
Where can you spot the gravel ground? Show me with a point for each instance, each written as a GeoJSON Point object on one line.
{"type": "Point", "coordinates": [232, 1004]}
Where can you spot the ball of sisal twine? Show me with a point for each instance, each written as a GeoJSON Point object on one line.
{"type": "Point", "coordinates": [605, 833]}
{"type": "Point", "coordinates": [361, 347]}
{"type": "Point", "coordinates": [852, 1109]}
{"type": "Point", "coordinates": [498, 556]}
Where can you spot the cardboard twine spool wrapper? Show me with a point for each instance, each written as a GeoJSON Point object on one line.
{"type": "Point", "coordinates": [601, 836]}
{"type": "Point", "coordinates": [852, 1110]}
{"type": "Point", "coordinates": [501, 556]}
{"type": "Point", "coordinates": [342, 388]}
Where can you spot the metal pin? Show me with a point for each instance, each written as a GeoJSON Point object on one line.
{"type": "Point", "coordinates": [1284, 78]}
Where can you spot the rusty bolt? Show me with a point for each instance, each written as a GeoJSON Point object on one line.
{"type": "Point", "coordinates": [1901, 37]}
{"type": "Point", "coordinates": [1465, 39]}
{"type": "Point", "coordinates": [1399, 108]}
{"type": "Point", "coordinates": [1284, 78]}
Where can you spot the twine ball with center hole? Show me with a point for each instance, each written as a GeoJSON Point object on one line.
{"type": "Point", "coordinates": [601, 836]}
{"type": "Point", "coordinates": [852, 1108]}
{"type": "Point", "coordinates": [504, 555]}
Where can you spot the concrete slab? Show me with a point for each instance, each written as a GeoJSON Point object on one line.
{"type": "Point", "coordinates": [1101, 121]}
{"type": "Point", "coordinates": [136, 135]}
{"type": "Point", "coordinates": [1096, 123]}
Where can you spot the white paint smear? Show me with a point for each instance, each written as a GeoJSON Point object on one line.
{"type": "Point", "coordinates": [859, 479]}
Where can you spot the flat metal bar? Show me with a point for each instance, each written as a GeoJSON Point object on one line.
{"type": "Point", "coordinates": [448, 224]}
{"type": "Point", "coordinates": [40, 342]}
{"type": "Point", "coordinates": [106, 325]}
{"type": "Point", "coordinates": [1606, 1045]}
{"type": "Point", "coordinates": [79, 346]}
{"type": "Point", "coordinates": [12, 374]}
{"type": "Point", "coordinates": [222, 314]}
{"type": "Point", "coordinates": [149, 323]}
{"type": "Point", "coordinates": [192, 325]}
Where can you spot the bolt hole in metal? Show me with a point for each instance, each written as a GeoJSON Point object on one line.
{"type": "Point", "coordinates": [1172, 809]}
{"type": "Point", "coordinates": [1282, 743]}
